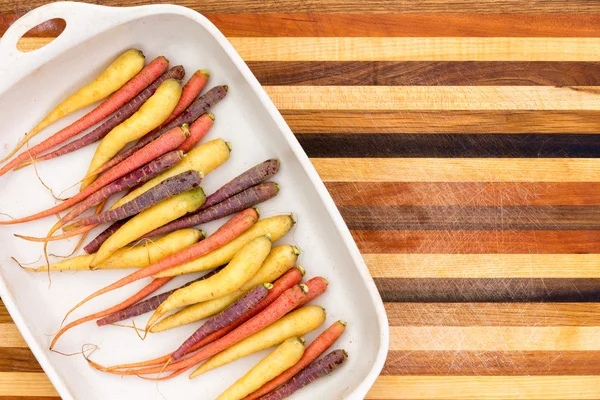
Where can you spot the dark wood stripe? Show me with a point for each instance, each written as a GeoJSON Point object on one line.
{"type": "Point", "coordinates": [18, 360]}
{"type": "Point", "coordinates": [493, 314]}
{"type": "Point", "coordinates": [50, 28]}
{"type": "Point", "coordinates": [382, 25]}
{"type": "Point", "coordinates": [471, 218]}
{"type": "Point", "coordinates": [29, 398]}
{"type": "Point", "coordinates": [339, 145]}
{"type": "Point", "coordinates": [324, 121]}
{"type": "Point", "coordinates": [4, 315]}
{"type": "Point", "coordinates": [426, 73]}
{"type": "Point", "coordinates": [477, 242]}
{"type": "Point", "coordinates": [492, 363]}
{"type": "Point", "coordinates": [488, 289]}
{"type": "Point", "coordinates": [354, 7]}
{"type": "Point", "coordinates": [464, 193]}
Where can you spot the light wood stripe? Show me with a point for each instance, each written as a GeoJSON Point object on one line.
{"type": "Point", "coordinates": [418, 49]}
{"type": "Point", "coordinates": [457, 170]}
{"type": "Point", "coordinates": [443, 98]}
{"type": "Point", "coordinates": [402, 49]}
{"type": "Point", "coordinates": [25, 384]}
{"type": "Point", "coordinates": [10, 336]}
{"type": "Point", "coordinates": [486, 387]}
{"type": "Point", "coordinates": [495, 338]}
{"type": "Point", "coordinates": [483, 265]}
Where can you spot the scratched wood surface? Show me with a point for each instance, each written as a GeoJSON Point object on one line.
{"type": "Point", "coordinates": [460, 141]}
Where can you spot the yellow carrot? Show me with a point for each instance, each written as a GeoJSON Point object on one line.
{"type": "Point", "coordinates": [150, 115]}
{"type": "Point", "coordinates": [157, 215]}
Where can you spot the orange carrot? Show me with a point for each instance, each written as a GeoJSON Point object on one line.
{"type": "Point", "coordinates": [198, 130]}
{"type": "Point", "coordinates": [229, 231]}
{"type": "Point", "coordinates": [127, 92]}
{"type": "Point", "coordinates": [284, 304]}
{"type": "Point", "coordinates": [150, 288]}
{"type": "Point", "coordinates": [323, 342]}
{"type": "Point", "coordinates": [317, 286]}
{"type": "Point", "coordinates": [190, 91]}
{"type": "Point", "coordinates": [285, 282]}
{"type": "Point", "coordinates": [143, 156]}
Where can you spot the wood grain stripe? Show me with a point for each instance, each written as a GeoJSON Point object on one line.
{"type": "Point", "coordinates": [339, 145]}
{"type": "Point", "coordinates": [18, 360]}
{"type": "Point", "coordinates": [454, 121]}
{"type": "Point", "coordinates": [25, 384]}
{"type": "Point", "coordinates": [494, 338]}
{"type": "Point", "coordinates": [471, 218]}
{"type": "Point", "coordinates": [10, 336]}
{"type": "Point", "coordinates": [488, 290]}
{"type": "Point", "coordinates": [417, 49]}
{"type": "Point", "coordinates": [435, 97]}
{"type": "Point", "coordinates": [483, 265]}
{"type": "Point", "coordinates": [464, 193]}
{"type": "Point", "coordinates": [486, 387]}
{"type": "Point", "coordinates": [426, 73]}
{"type": "Point", "coordinates": [354, 7]}
{"type": "Point", "coordinates": [493, 314]}
{"type": "Point", "coordinates": [486, 363]}
{"type": "Point", "coordinates": [4, 315]}
{"type": "Point", "coordinates": [477, 242]}
{"type": "Point", "coordinates": [457, 170]}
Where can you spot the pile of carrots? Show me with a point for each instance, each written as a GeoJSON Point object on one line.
{"type": "Point", "coordinates": [252, 297]}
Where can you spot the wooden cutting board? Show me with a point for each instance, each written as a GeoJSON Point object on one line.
{"type": "Point", "coordinates": [460, 142]}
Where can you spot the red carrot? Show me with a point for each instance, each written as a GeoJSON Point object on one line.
{"type": "Point", "coordinates": [144, 156]}
{"type": "Point", "coordinates": [197, 108]}
{"type": "Point", "coordinates": [147, 305]}
{"type": "Point", "coordinates": [229, 231]}
{"type": "Point", "coordinates": [285, 282]}
{"type": "Point", "coordinates": [312, 372]}
{"type": "Point", "coordinates": [191, 90]}
{"type": "Point", "coordinates": [95, 244]}
{"type": "Point", "coordinates": [151, 288]}
{"type": "Point", "coordinates": [284, 304]}
{"type": "Point", "coordinates": [241, 201]}
{"type": "Point", "coordinates": [318, 286]}
{"type": "Point", "coordinates": [118, 99]}
{"type": "Point", "coordinates": [198, 130]}
{"type": "Point", "coordinates": [319, 346]}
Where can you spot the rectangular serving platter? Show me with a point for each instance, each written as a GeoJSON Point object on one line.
{"type": "Point", "coordinates": [31, 83]}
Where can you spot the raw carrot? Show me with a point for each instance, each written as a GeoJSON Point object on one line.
{"type": "Point", "coordinates": [233, 228]}
{"type": "Point", "coordinates": [241, 201]}
{"type": "Point", "coordinates": [224, 318]}
{"type": "Point", "coordinates": [276, 310]}
{"type": "Point", "coordinates": [103, 129]}
{"type": "Point", "coordinates": [132, 257]}
{"type": "Point", "coordinates": [191, 90]}
{"type": "Point", "coordinates": [255, 175]}
{"type": "Point", "coordinates": [169, 187]}
{"type": "Point", "coordinates": [95, 244]}
{"type": "Point", "coordinates": [148, 305]}
{"type": "Point", "coordinates": [197, 108]}
{"type": "Point", "coordinates": [149, 289]}
{"type": "Point", "coordinates": [278, 262]}
{"type": "Point", "coordinates": [241, 268]}
{"type": "Point", "coordinates": [288, 280]}
{"type": "Point", "coordinates": [319, 346]}
{"type": "Point", "coordinates": [312, 372]}
{"type": "Point", "coordinates": [147, 220]}
{"type": "Point", "coordinates": [151, 114]}
{"type": "Point", "coordinates": [198, 130]}
{"type": "Point", "coordinates": [125, 67]}
{"type": "Point", "coordinates": [280, 359]}
{"type": "Point", "coordinates": [317, 286]}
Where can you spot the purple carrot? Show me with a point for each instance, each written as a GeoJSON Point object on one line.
{"type": "Point", "coordinates": [315, 370]}
{"type": "Point", "coordinates": [172, 186]}
{"type": "Point", "coordinates": [95, 244]}
{"type": "Point", "coordinates": [241, 201]}
{"type": "Point", "coordinates": [224, 318]}
{"type": "Point", "coordinates": [119, 116]}
{"type": "Point", "coordinates": [193, 112]}
{"type": "Point", "coordinates": [147, 305]}
{"type": "Point", "coordinates": [255, 175]}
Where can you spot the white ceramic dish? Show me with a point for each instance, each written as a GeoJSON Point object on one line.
{"type": "Point", "coordinates": [30, 83]}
